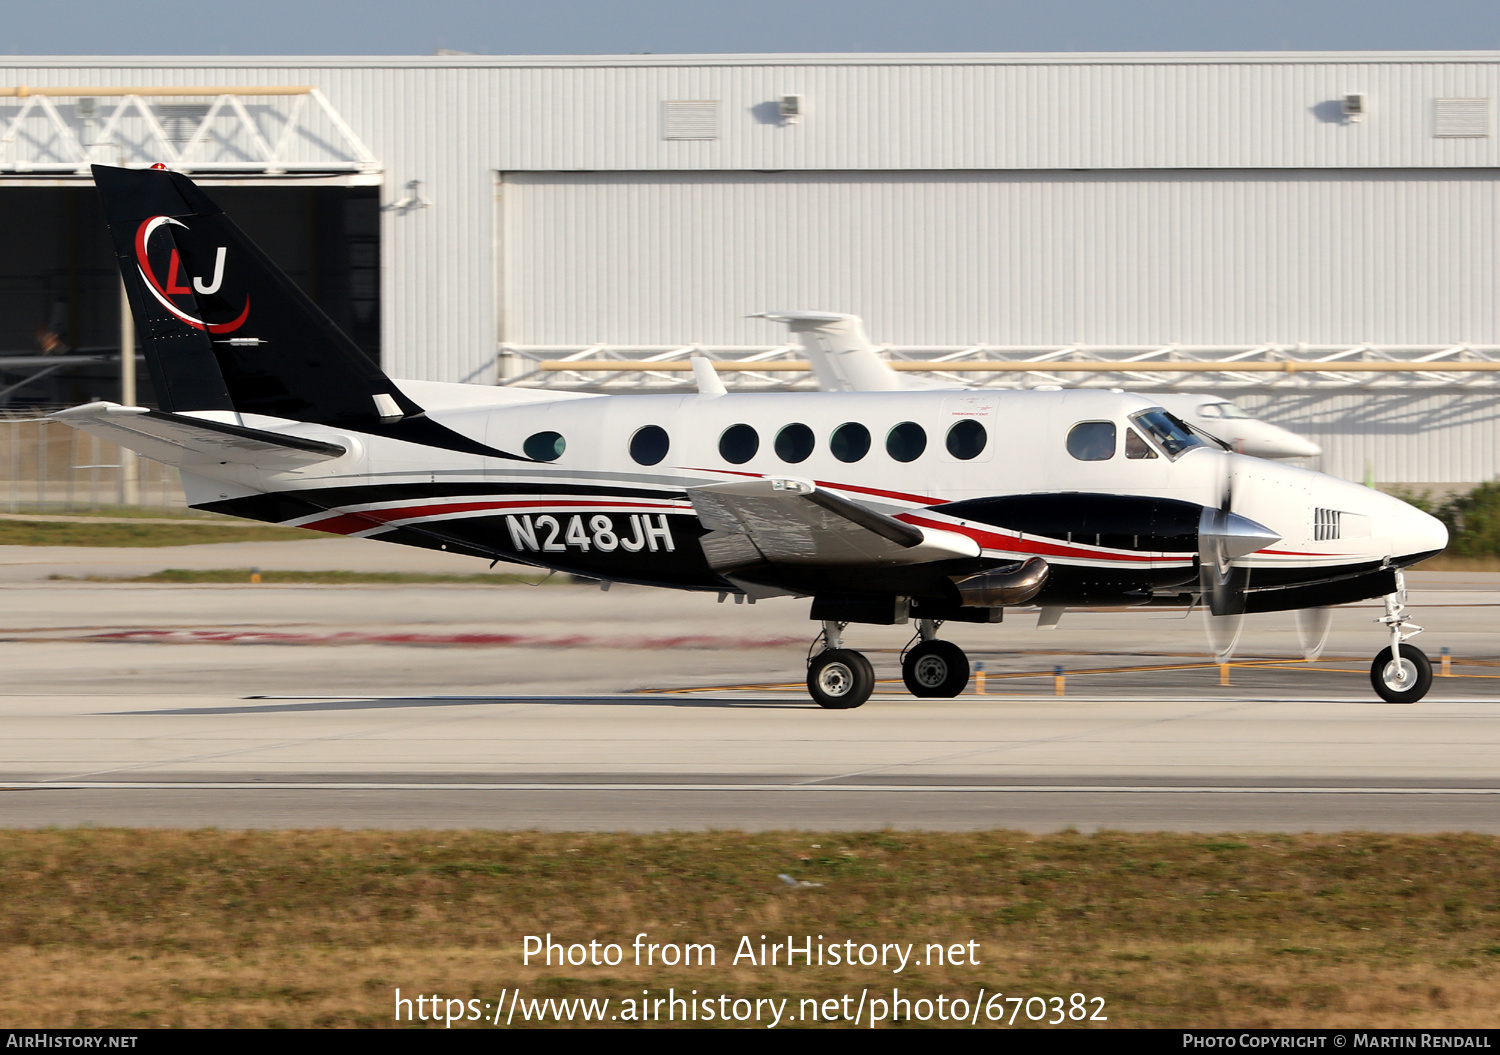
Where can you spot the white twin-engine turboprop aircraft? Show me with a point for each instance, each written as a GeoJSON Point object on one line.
{"type": "Point", "coordinates": [881, 506]}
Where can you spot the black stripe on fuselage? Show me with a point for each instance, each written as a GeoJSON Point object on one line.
{"type": "Point", "coordinates": [281, 506]}
{"type": "Point", "coordinates": [1122, 522]}
{"type": "Point", "coordinates": [486, 535]}
{"type": "Point", "coordinates": [678, 564]}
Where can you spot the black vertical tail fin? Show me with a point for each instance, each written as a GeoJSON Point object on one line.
{"type": "Point", "coordinates": [222, 328]}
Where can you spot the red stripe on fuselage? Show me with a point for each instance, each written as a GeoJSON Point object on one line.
{"type": "Point", "coordinates": [365, 520]}
{"type": "Point", "coordinates": [344, 524]}
{"type": "Point", "coordinates": [988, 539]}
{"type": "Point", "coordinates": [900, 496]}
{"type": "Point", "coordinates": [1015, 544]}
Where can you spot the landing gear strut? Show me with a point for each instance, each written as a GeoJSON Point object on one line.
{"type": "Point", "coordinates": [934, 669]}
{"type": "Point", "coordinates": [838, 678]}
{"type": "Point", "coordinates": [1401, 673]}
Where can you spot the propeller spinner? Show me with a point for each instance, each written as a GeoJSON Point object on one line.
{"type": "Point", "coordinates": [1224, 535]}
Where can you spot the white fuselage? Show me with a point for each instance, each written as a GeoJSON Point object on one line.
{"type": "Point", "coordinates": [544, 512]}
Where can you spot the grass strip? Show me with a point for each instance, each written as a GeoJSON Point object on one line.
{"type": "Point", "coordinates": [128, 513]}
{"type": "Point", "coordinates": [330, 578]}
{"type": "Point", "coordinates": [49, 533]}
{"type": "Point", "coordinates": [104, 927]}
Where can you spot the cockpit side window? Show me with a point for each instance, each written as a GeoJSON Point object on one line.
{"type": "Point", "coordinates": [1135, 447]}
{"type": "Point", "coordinates": [1169, 433]}
{"type": "Point", "coordinates": [1092, 441]}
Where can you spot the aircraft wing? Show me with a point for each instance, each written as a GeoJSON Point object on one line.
{"type": "Point", "coordinates": [178, 439]}
{"type": "Point", "coordinates": [787, 520]}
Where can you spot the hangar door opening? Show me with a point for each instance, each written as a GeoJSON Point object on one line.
{"type": "Point", "coordinates": [60, 290]}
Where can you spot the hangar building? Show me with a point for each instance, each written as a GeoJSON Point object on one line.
{"type": "Point", "coordinates": [468, 217]}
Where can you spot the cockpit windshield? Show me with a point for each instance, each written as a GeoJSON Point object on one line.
{"type": "Point", "coordinates": [1170, 434]}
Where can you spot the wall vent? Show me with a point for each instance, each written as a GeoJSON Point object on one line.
{"type": "Point", "coordinates": [690, 119]}
{"type": "Point", "coordinates": [180, 120]}
{"type": "Point", "coordinates": [1461, 118]}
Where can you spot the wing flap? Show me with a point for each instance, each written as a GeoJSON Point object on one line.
{"type": "Point", "coordinates": [183, 440]}
{"type": "Point", "coordinates": [787, 520]}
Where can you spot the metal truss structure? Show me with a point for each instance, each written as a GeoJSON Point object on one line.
{"type": "Point", "coordinates": [55, 134]}
{"type": "Point", "coordinates": [1242, 368]}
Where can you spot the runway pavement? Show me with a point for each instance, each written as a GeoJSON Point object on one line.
{"type": "Point", "coordinates": [566, 708]}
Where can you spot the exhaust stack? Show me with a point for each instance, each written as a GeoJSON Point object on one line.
{"type": "Point", "coordinates": [1004, 586]}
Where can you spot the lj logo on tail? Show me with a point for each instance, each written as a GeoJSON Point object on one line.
{"type": "Point", "coordinates": [167, 295]}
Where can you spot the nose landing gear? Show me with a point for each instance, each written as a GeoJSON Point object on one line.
{"type": "Point", "coordinates": [1401, 673]}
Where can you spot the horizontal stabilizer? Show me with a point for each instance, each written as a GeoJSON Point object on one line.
{"type": "Point", "coordinates": [184, 440]}
{"type": "Point", "coordinates": [787, 520]}
{"type": "Point", "coordinates": [842, 357]}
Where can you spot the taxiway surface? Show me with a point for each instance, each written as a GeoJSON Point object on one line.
{"type": "Point", "coordinates": [566, 708]}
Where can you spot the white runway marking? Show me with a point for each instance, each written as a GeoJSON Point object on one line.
{"type": "Point", "coordinates": [806, 786]}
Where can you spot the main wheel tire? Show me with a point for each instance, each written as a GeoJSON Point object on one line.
{"type": "Point", "coordinates": [1406, 684]}
{"type": "Point", "coordinates": [935, 669]}
{"type": "Point", "coordinates": [840, 679]}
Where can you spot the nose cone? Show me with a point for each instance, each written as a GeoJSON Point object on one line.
{"type": "Point", "coordinates": [1297, 446]}
{"type": "Point", "coordinates": [1302, 506]}
{"type": "Point", "coordinates": [1414, 533]}
{"type": "Point", "coordinates": [1265, 440]}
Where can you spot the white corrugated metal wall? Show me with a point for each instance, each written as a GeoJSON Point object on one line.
{"type": "Point", "coordinates": [1198, 257]}
{"type": "Point", "coordinates": [1393, 437]}
{"type": "Point", "coordinates": [995, 199]}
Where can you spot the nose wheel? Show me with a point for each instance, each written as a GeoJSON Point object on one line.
{"type": "Point", "coordinates": [1403, 680]}
{"type": "Point", "coordinates": [1401, 673]}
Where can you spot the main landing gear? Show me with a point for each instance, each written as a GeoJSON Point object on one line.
{"type": "Point", "coordinates": [840, 678]}
{"type": "Point", "coordinates": [1401, 673]}
{"type": "Point", "coordinates": [932, 668]}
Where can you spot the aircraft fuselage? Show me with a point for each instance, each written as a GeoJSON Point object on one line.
{"type": "Point", "coordinates": [1116, 526]}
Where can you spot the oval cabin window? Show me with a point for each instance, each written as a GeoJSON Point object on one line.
{"type": "Point", "coordinates": [649, 444]}
{"type": "Point", "coordinates": [850, 442]}
{"type": "Point", "coordinates": [544, 446]}
{"type": "Point", "coordinates": [906, 441]}
{"type": "Point", "coordinates": [738, 444]}
{"type": "Point", "coordinates": [1092, 441]}
{"type": "Point", "coordinates": [966, 439]}
{"type": "Point", "coordinates": [794, 443]}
